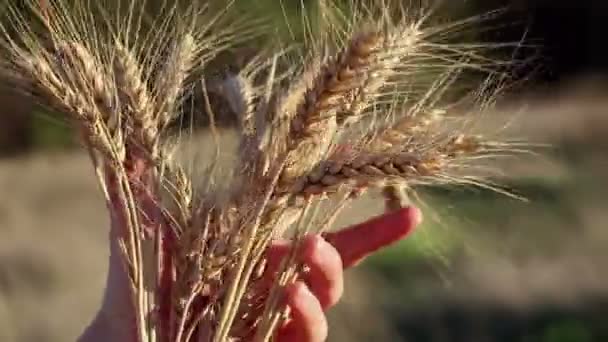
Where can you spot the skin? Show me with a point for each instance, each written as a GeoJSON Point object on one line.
{"type": "Point", "coordinates": [320, 288]}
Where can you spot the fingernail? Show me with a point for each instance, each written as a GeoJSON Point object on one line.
{"type": "Point", "coordinates": [411, 215]}
{"type": "Point", "coordinates": [416, 215]}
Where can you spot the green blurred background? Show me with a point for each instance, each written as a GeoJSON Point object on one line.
{"type": "Point", "coordinates": [483, 267]}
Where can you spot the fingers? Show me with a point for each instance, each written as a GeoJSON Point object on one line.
{"type": "Point", "coordinates": [357, 242]}
{"type": "Point", "coordinates": [277, 250]}
{"type": "Point", "coordinates": [325, 272]}
{"type": "Point", "coordinates": [325, 276]}
{"type": "Point", "coordinates": [326, 260]}
{"type": "Point", "coordinates": [308, 322]}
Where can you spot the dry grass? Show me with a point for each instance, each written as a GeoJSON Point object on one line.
{"type": "Point", "coordinates": [356, 117]}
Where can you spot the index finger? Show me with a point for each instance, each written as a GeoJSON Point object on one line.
{"type": "Point", "coordinates": [357, 242]}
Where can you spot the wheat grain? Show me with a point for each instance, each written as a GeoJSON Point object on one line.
{"type": "Point", "coordinates": [78, 65]}
{"type": "Point", "coordinates": [344, 88]}
{"type": "Point", "coordinates": [80, 91]}
{"type": "Point", "coordinates": [367, 170]}
{"type": "Point", "coordinates": [170, 83]}
{"type": "Point", "coordinates": [314, 124]}
{"type": "Point", "coordinates": [136, 104]}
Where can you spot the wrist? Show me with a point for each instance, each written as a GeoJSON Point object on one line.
{"type": "Point", "coordinates": [115, 319]}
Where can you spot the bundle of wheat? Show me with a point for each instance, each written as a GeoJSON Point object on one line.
{"type": "Point", "coordinates": [366, 109]}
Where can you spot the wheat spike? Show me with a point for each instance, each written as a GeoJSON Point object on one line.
{"type": "Point", "coordinates": [70, 80]}
{"type": "Point", "coordinates": [314, 124]}
{"type": "Point", "coordinates": [344, 87]}
{"type": "Point", "coordinates": [367, 170]}
{"type": "Point", "coordinates": [136, 104]}
{"type": "Point", "coordinates": [170, 83]}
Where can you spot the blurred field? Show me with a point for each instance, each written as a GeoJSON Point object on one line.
{"type": "Point", "coordinates": [491, 269]}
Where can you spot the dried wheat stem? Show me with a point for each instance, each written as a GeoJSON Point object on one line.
{"type": "Point", "coordinates": [124, 211]}
{"type": "Point", "coordinates": [243, 269]}
{"type": "Point", "coordinates": [274, 308]}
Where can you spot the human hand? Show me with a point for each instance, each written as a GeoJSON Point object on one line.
{"type": "Point", "coordinates": [326, 257]}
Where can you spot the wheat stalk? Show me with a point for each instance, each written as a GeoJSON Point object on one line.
{"type": "Point", "coordinates": [358, 116]}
